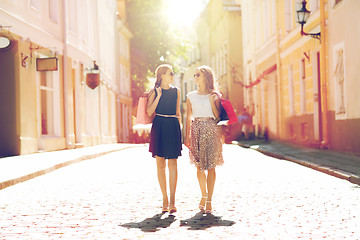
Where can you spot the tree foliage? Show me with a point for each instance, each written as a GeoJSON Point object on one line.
{"type": "Point", "coordinates": [155, 39]}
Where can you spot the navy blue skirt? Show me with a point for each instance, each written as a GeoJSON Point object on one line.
{"type": "Point", "coordinates": [165, 137]}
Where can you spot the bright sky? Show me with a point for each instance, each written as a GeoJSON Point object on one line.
{"type": "Point", "coordinates": [184, 11]}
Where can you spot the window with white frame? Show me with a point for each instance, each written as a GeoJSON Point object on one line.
{"type": "Point", "coordinates": [302, 86]}
{"type": "Point", "coordinates": [288, 15]}
{"type": "Point", "coordinates": [273, 15]}
{"type": "Point", "coordinates": [266, 20]}
{"type": "Point", "coordinates": [72, 16]}
{"type": "Point", "coordinates": [340, 82]}
{"type": "Point", "coordinates": [54, 10]}
{"type": "Point", "coordinates": [258, 26]}
{"type": "Point", "coordinates": [291, 90]}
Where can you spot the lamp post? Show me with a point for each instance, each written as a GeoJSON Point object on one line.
{"type": "Point", "coordinates": [302, 16]}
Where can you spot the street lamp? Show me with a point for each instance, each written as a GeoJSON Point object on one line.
{"type": "Point", "coordinates": [7, 42]}
{"type": "Point", "coordinates": [93, 76]}
{"type": "Point", "coordinates": [302, 16]}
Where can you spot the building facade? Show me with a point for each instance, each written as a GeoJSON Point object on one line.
{"type": "Point", "coordinates": [124, 101]}
{"type": "Point", "coordinates": [300, 90]}
{"type": "Point", "coordinates": [51, 108]}
{"type": "Point", "coordinates": [218, 44]}
{"type": "Point", "coordinates": [343, 74]}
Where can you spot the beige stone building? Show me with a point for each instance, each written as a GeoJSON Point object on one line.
{"type": "Point", "coordinates": [343, 30]}
{"type": "Point", "coordinates": [45, 107]}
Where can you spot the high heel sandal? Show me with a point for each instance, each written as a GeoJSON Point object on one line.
{"type": "Point", "coordinates": [207, 211]}
{"type": "Point", "coordinates": [173, 210]}
{"type": "Point", "coordinates": [202, 207]}
{"type": "Point", "coordinates": [165, 210]}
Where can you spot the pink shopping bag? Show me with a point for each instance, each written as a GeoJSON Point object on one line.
{"type": "Point", "coordinates": [142, 117]}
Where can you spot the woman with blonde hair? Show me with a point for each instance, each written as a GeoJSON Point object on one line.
{"type": "Point", "coordinates": [165, 135]}
{"type": "Point", "coordinates": [203, 137]}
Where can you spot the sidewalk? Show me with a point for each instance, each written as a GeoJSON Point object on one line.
{"type": "Point", "coordinates": [21, 168]}
{"type": "Point", "coordinates": [337, 164]}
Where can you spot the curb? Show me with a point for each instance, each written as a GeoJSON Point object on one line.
{"type": "Point", "coordinates": [14, 181]}
{"type": "Point", "coordinates": [328, 170]}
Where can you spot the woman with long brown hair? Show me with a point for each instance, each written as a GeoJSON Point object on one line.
{"type": "Point", "coordinates": [203, 136]}
{"type": "Point", "coordinates": [165, 136]}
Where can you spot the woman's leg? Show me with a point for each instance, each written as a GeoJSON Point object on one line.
{"type": "Point", "coordinates": [202, 182]}
{"type": "Point", "coordinates": [161, 166]}
{"type": "Point", "coordinates": [210, 186]}
{"type": "Point", "coordinates": [172, 164]}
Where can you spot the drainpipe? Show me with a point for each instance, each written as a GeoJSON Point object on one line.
{"type": "Point", "coordinates": [65, 70]}
{"type": "Point", "coordinates": [323, 77]}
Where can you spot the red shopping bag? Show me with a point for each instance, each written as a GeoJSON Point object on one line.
{"type": "Point", "coordinates": [227, 113]}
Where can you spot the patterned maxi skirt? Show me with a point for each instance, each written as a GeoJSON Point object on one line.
{"type": "Point", "coordinates": [205, 144]}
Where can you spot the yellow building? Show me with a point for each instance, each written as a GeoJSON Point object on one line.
{"type": "Point", "coordinates": [280, 66]}
{"type": "Point", "coordinates": [48, 107]}
{"type": "Point", "coordinates": [302, 103]}
{"type": "Point", "coordinates": [299, 85]}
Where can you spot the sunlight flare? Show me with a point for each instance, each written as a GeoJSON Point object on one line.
{"type": "Point", "coordinates": [183, 12]}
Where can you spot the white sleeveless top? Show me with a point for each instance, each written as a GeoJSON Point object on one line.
{"type": "Point", "coordinates": [200, 104]}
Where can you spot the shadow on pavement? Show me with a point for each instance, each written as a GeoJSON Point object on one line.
{"type": "Point", "coordinates": [152, 224]}
{"type": "Point", "coordinates": [203, 221]}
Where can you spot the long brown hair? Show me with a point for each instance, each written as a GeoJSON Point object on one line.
{"type": "Point", "coordinates": [161, 70]}
{"type": "Point", "coordinates": [209, 77]}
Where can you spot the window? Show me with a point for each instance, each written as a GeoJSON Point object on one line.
{"type": "Point", "coordinates": [340, 86]}
{"type": "Point", "coordinates": [72, 16]}
{"type": "Point", "coordinates": [288, 15]}
{"type": "Point", "coordinates": [47, 96]}
{"type": "Point", "coordinates": [291, 90]}
{"type": "Point", "coordinates": [266, 19]}
{"type": "Point", "coordinates": [54, 10]}
{"type": "Point", "coordinates": [258, 26]}
{"type": "Point", "coordinates": [302, 87]}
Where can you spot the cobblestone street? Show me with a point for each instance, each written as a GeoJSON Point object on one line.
{"type": "Point", "coordinates": [117, 196]}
